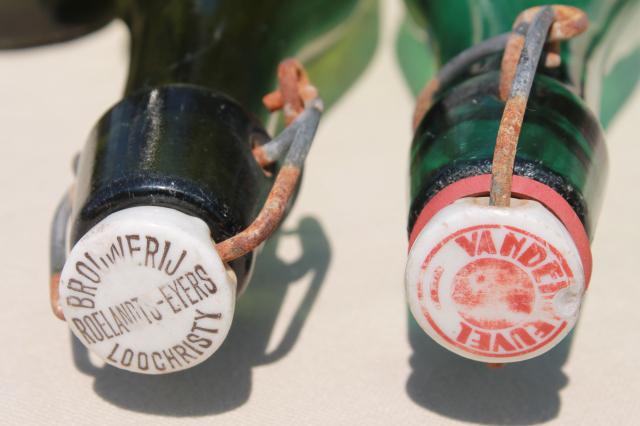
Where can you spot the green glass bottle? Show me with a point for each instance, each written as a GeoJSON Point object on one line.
{"type": "Point", "coordinates": [503, 284]}
{"type": "Point", "coordinates": [172, 196]}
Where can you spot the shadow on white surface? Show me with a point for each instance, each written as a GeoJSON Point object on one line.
{"type": "Point", "coordinates": [523, 393]}
{"type": "Point", "coordinates": [223, 382]}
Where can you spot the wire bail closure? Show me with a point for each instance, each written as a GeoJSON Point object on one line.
{"type": "Point", "coordinates": [523, 47]}
{"type": "Point", "coordinates": [532, 28]}
{"type": "Point", "coordinates": [302, 108]}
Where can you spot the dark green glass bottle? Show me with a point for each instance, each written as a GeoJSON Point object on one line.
{"type": "Point", "coordinates": [505, 284]}
{"type": "Point", "coordinates": [170, 170]}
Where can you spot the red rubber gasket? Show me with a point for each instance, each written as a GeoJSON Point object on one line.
{"type": "Point", "coordinates": [521, 187]}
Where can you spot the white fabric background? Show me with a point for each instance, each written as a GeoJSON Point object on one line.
{"type": "Point", "coordinates": [349, 355]}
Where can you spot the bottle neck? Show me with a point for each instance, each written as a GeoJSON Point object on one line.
{"type": "Point", "coordinates": [222, 45]}
{"type": "Point", "coordinates": [456, 25]}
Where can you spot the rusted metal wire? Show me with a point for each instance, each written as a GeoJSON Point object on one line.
{"type": "Point", "coordinates": [57, 251]}
{"type": "Point", "coordinates": [567, 23]}
{"type": "Point", "coordinates": [519, 63]}
{"type": "Point", "coordinates": [266, 222]}
{"type": "Point", "coordinates": [302, 109]}
{"type": "Point", "coordinates": [453, 69]}
{"type": "Point", "coordinates": [293, 95]}
{"type": "Point", "coordinates": [293, 92]}
{"type": "Point", "coordinates": [278, 147]}
{"type": "Point", "coordinates": [510, 59]}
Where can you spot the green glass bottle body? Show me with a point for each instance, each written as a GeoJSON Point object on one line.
{"type": "Point", "coordinates": [561, 144]}
{"type": "Point", "coordinates": [168, 176]}
{"type": "Point", "coordinates": [234, 47]}
{"type": "Point", "coordinates": [182, 136]}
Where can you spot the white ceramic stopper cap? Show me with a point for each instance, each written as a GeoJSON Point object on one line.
{"type": "Point", "coordinates": [146, 291]}
{"type": "Point", "coordinates": [495, 284]}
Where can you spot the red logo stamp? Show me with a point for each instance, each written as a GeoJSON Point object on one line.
{"type": "Point", "coordinates": [489, 290]}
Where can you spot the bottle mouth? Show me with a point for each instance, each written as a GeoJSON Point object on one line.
{"type": "Point", "coordinates": [146, 291]}
{"type": "Point", "coordinates": [495, 284]}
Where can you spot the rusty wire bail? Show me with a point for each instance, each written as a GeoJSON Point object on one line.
{"type": "Point", "coordinates": [302, 109]}
{"type": "Point", "coordinates": [519, 63]}
{"type": "Point", "coordinates": [522, 47]}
